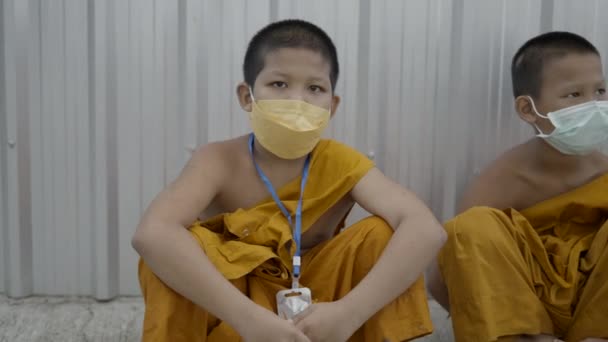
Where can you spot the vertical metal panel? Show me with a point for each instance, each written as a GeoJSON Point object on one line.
{"type": "Point", "coordinates": [77, 256]}
{"type": "Point", "coordinates": [3, 159]}
{"type": "Point", "coordinates": [16, 220]}
{"type": "Point", "coordinates": [128, 136]}
{"type": "Point", "coordinates": [102, 102]}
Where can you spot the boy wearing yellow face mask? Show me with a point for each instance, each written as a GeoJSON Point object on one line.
{"type": "Point", "coordinates": [266, 261]}
{"type": "Point", "coordinates": [530, 261]}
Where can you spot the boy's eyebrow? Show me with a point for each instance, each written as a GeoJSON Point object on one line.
{"type": "Point", "coordinates": [317, 79]}
{"type": "Point", "coordinates": [572, 84]}
{"type": "Point", "coordinates": [278, 73]}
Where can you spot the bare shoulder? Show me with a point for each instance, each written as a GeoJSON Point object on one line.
{"type": "Point", "coordinates": [212, 160]}
{"type": "Point", "coordinates": [199, 182]}
{"type": "Point", "coordinates": [497, 185]}
{"type": "Point", "coordinates": [217, 162]}
{"type": "Point", "coordinates": [221, 153]}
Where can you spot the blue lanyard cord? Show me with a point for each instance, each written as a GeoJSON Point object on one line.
{"type": "Point", "coordinates": [297, 229]}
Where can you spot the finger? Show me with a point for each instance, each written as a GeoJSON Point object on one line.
{"type": "Point", "coordinates": [303, 314]}
{"type": "Point", "coordinates": [300, 325]}
{"type": "Point", "coordinates": [304, 326]}
{"type": "Point", "coordinates": [301, 337]}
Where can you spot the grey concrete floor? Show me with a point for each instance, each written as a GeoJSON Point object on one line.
{"type": "Point", "coordinates": [75, 319]}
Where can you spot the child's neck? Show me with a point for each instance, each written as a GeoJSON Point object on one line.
{"type": "Point", "coordinates": [269, 160]}
{"type": "Point", "coordinates": [553, 161]}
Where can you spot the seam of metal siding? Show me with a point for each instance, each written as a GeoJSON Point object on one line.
{"type": "Point", "coordinates": [3, 161]}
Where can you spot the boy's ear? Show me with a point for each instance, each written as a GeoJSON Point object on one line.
{"type": "Point", "coordinates": [244, 95]}
{"type": "Point", "coordinates": [335, 102]}
{"type": "Point", "coordinates": [523, 106]}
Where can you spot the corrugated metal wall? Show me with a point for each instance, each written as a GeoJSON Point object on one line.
{"type": "Point", "coordinates": [101, 102]}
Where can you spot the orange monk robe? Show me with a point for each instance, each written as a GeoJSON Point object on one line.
{"type": "Point", "coordinates": [541, 270]}
{"type": "Point", "coordinates": [250, 247]}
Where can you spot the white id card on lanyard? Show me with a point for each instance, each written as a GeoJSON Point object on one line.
{"type": "Point", "coordinates": [295, 300]}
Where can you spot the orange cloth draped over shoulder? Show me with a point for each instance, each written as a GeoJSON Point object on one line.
{"type": "Point", "coordinates": [250, 247]}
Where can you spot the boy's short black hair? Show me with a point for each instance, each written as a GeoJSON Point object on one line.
{"type": "Point", "coordinates": [528, 62]}
{"type": "Point", "coordinates": [290, 33]}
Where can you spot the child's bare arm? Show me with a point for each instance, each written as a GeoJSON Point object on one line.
{"type": "Point", "coordinates": [417, 239]}
{"type": "Point", "coordinates": [163, 241]}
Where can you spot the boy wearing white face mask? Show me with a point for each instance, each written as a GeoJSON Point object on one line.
{"type": "Point", "coordinates": [270, 206]}
{"type": "Point", "coordinates": [527, 258]}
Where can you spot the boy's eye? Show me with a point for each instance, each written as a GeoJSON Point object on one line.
{"type": "Point", "coordinates": [574, 95]}
{"type": "Point", "coordinates": [279, 84]}
{"type": "Point", "coordinates": [316, 89]}
{"type": "Point", "coordinates": [601, 91]}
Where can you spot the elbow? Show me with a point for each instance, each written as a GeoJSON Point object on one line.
{"type": "Point", "coordinates": [441, 236]}
{"type": "Point", "coordinates": [141, 237]}
{"type": "Point", "coordinates": [435, 234]}
{"type": "Point", "coordinates": [152, 234]}
{"type": "Point", "coordinates": [427, 230]}
{"type": "Point", "coordinates": [436, 238]}
{"type": "Point", "coordinates": [137, 241]}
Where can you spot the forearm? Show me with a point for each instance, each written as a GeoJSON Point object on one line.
{"type": "Point", "coordinates": [177, 259]}
{"type": "Point", "coordinates": [413, 246]}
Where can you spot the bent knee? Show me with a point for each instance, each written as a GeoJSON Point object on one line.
{"type": "Point", "coordinates": [476, 224]}
{"type": "Point", "coordinates": [374, 226]}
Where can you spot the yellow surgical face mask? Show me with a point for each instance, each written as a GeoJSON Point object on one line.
{"type": "Point", "coordinates": [289, 129]}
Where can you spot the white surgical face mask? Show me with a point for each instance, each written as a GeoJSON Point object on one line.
{"type": "Point", "coordinates": [579, 129]}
